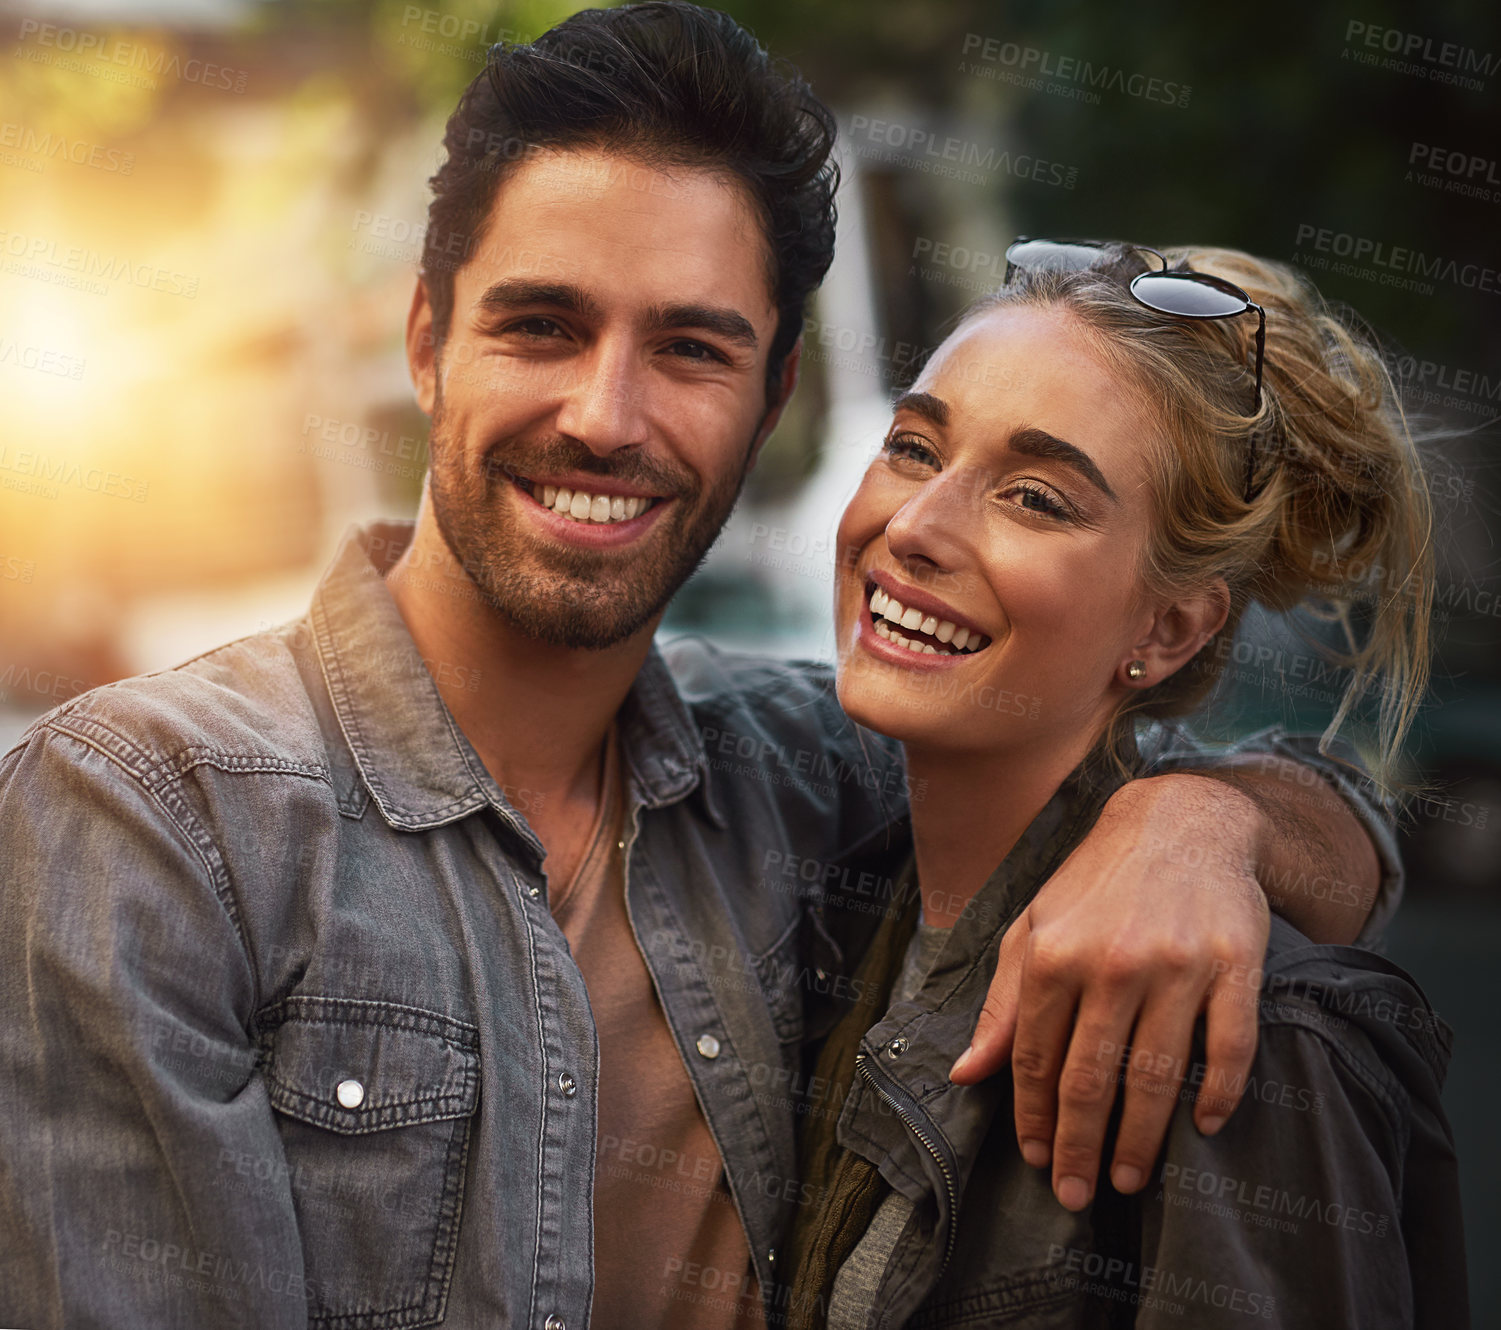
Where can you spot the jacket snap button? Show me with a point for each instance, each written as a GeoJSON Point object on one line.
{"type": "Point", "coordinates": [569, 1087]}
{"type": "Point", "coordinates": [708, 1046]}
{"type": "Point", "coordinates": [554, 1322]}
{"type": "Point", "coordinates": [351, 1094]}
{"type": "Point", "coordinates": [897, 1046]}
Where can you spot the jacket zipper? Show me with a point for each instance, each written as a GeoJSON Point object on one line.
{"type": "Point", "coordinates": [907, 1111]}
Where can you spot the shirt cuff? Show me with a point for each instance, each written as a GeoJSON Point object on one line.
{"type": "Point", "coordinates": [1175, 747]}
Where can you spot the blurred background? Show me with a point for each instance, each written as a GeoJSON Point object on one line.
{"type": "Point", "coordinates": [211, 213]}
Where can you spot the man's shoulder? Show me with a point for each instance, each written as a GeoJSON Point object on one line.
{"type": "Point", "coordinates": [1369, 1015]}
{"type": "Point", "coordinates": [709, 675]}
{"type": "Point", "coordinates": [245, 704]}
{"type": "Point", "coordinates": [741, 693]}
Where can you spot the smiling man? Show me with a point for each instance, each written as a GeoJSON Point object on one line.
{"type": "Point", "coordinates": [334, 994]}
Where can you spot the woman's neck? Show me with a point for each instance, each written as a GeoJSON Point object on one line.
{"type": "Point", "coordinates": [972, 809]}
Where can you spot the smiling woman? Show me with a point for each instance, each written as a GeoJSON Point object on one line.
{"type": "Point", "coordinates": [1061, 519]}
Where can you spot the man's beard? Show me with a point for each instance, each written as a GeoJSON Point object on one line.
{"type": "Point", "coordinates": [571, 596]}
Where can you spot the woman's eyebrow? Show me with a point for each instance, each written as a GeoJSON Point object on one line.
{"type": "Point", "coordinates": [1033, 442]}
{"type": "Point", "coordinates": [930, 408]}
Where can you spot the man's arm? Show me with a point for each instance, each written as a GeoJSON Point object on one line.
{"type": "Point", "coordinates": [128, 1092]}
{"type": "Point", "coordinates": [1161, 913]}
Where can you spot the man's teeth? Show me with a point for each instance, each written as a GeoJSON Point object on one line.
{"type": "Point", "coordinates": [889, 615]}
{"type": "Point", "coordinates": [583, 507]}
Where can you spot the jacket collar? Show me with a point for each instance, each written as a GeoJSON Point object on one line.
{"type": "Point", "coordinates": [409, 752]}
{"type": "Point", "coordinates": [937, 1022]}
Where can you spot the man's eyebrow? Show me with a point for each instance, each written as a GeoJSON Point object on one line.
{"type": "Point", "coordinates": [723, 322]}
{"type": "Point", "coordinates": [931, 408]}
{"type": "Point", "coordinates": [1033, 442]}
{"type": "Point", "coordinates": [514, 293]}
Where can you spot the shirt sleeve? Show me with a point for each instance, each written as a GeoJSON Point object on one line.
{"type": "Point", "coordinates": [130, 1107]}
{"type": "Point", "coordinates": [1171, 747]}
{"type": "Point", "coordinates": [1292, 1214]}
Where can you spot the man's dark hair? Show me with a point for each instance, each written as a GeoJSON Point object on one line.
{"type": "Point", "coordinates": [667, 84]}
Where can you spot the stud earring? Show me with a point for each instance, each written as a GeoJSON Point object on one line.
{"type": "Point", "coordinates": [1137, 669]}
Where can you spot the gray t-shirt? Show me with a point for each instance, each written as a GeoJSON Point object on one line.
{"type": "Point", "coordinates": [855, 1284]}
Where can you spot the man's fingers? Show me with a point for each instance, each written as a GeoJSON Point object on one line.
{"type": "Point", "coordinates": [990, 1044]}
{"type": "Point", "coordinates": [1044, 1019]}
{"type": "Point", "coordinates": [1086, 1091]}
{"type": "Point", "coordinates": [1230, 1047]}
{"type": "Point", "coordinates": [1154, 1075]}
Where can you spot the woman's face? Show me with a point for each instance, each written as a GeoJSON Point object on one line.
{"type": "Point", "coordinates": [1007, 515]}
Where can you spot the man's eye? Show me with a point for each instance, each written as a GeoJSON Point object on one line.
{"type": "Point", "coordinates": [687, 349]}
{"type": "Point", "coordinates": [537, 326]}
{"type": "Point", "coordinates": [908, 447]}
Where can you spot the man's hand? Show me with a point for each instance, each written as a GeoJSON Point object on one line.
{"type": "Point", "coordinates": [1155, 917]}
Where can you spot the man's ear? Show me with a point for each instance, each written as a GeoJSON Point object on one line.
{"type": "Point", "coordinates": [422, 358]}
{"type": "Point", "coordinates": [1178, 631]}
{"type": "Point", "coordinates": [786, 383]}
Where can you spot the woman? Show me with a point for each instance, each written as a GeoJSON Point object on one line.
{"type": "Point", "coordinates": [1091, 480]}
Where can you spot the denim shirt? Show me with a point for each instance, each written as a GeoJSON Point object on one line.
{"type": "Point", "coordinates": [288, 1035]}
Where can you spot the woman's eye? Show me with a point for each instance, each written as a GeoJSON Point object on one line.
{"type": "Point", "coordinates": [1039, 501]}
{"type": "Point", "coordinates": [910, 448]}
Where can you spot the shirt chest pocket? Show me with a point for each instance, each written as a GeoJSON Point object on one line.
{"type": "Point", "coordinates": [374, 1103]}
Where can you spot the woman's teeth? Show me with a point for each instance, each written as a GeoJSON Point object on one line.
{"type": "Point", "coordinates": [889, 616]}
{"type": "Point", "coordinates": [582, 507]}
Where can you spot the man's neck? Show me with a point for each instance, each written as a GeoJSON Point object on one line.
{"type": "Point", "coordinates": [536, 714]}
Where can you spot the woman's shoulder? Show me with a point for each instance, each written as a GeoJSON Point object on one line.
{"type": "Point", "coordinates": [1357, 1010]}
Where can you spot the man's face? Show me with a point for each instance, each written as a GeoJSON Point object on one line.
{"type": "Point", "coordinates": [601, 392]}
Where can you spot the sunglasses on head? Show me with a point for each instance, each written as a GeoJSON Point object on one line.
{"type": "Point", "coordinates": [1183, 293]}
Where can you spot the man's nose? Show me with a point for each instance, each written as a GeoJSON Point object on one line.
{"type": "Point", "coordinates": [604, 407]}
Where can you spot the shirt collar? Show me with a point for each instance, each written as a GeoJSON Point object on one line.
{"type": "Point", "coordinates": [411, 755]}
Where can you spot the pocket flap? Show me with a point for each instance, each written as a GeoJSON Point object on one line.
{"type": "Point", "coordinates": [356, 1066]}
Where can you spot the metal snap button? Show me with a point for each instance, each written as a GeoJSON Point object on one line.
{"type": "Point", "coordinates": [554, 1322]}
{"type": "Point", "coordinates": [897, 1046]}
{"type": "Point", "coordinates": [708, 1046]}
{"type": "Point", "coordinates": [351, 1093]}
{"type": "Point", "coordinates": [567, 1084]}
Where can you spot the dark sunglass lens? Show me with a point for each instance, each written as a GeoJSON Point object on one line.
{"type": "Point", "coordinates": [1052, 255]}
{"type": "Point", "coordinates": [1185, 294]}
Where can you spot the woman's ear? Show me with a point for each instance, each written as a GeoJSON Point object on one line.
{"type": "Point", "coordinates": [1177, 634]}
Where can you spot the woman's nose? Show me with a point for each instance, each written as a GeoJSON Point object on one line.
{"type": "Point", "coordinates": [936, 527]}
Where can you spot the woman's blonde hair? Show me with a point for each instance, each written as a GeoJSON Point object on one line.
{"type": "Point", "coordinates": [1339, 519]}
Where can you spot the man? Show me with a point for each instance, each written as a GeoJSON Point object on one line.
{"type": "Point", "coordinates": [338, 993]}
